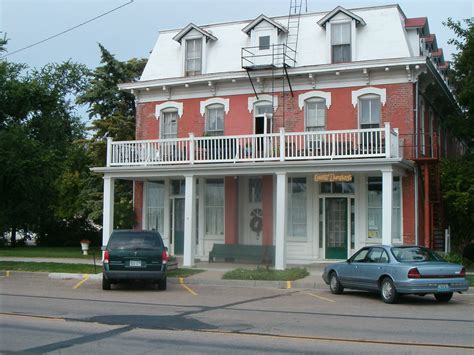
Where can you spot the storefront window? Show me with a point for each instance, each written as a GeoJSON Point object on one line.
{"type": "Point", "coordinates": [155, 208]}
{"type": "Point", "coordinates": [374, 187]}
{"type": "Point", "coordinates": [214, 206]}
{"type": "Point", "coordinates": [297, 191]}
{"type": "Point", "coordinates": [337, 187]}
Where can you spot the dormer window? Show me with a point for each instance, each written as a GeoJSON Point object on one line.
{"type": "Point", "coordinates": [193, 57]}
{"type": "Point", "coordinates": [264, 42]}
{"type": "Point", "coordinates": [341, 42]}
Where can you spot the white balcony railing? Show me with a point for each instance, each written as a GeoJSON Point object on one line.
{"type": "Point", "coordinates": [283, 146]}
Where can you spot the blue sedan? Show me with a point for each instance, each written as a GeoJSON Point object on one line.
{"type": "Point", "coordinates": [397, 270]}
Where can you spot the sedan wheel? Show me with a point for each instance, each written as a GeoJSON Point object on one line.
{"type": "Point", "coordinates": [388, 292]}
{"type": "Point", "coordinates": [335, 284]}
{"type": "Point", "coordinates": [443, 297]}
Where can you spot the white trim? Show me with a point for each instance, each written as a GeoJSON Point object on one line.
{"type": "Point", "coordinates": [370, 90]}
{"type": "Point", "coordinates": [313, 94]}
{"type": "Point", "coordinates": [214, 100]}
{"type": "Point", "coordinates": [169, 104]}
{"type": "Point", "coordinates": [252, 100]}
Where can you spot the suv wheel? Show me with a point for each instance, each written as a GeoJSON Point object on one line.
{"type": "Point", "coordinates": [443, 297]}
{"type": "Point", "coordinates": [388, 292]}
{"type": "Point", "coordinates": [334, 284]}
{"type": "Point", "coordinates": [162, 284]}
{"type": "Point", "coordinates": [105, 284]}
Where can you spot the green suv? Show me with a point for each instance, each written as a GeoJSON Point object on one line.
{"type": "Point", "coordinates": [134, 255]}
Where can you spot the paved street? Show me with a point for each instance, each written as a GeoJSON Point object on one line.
{"type": "Point", "coordinates": [42, 315]}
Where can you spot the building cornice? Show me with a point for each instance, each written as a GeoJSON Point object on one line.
{"type": "Point", "coordinates": [242, 74]}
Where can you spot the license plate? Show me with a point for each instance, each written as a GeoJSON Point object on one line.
{"type": "Point", "coordinates": [443, 287]}
{"type": "Point", "coordinates": [135, 263]}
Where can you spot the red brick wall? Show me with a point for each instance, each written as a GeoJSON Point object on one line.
{"type": "Point", "coordinates": [138, 192]}
{"type": "Point", "coordinates": [231, 210]}
{"type": "Point", "coordinates": [267, 209]}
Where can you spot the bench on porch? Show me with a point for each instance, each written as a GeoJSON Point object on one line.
{"type": "Point", "coordinates": [233, 252]}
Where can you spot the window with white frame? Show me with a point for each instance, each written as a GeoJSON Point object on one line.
{"type": "Point", "coordinates": [263, 42]}
{"type": "Point", "coordinates": [297, 218]}
{"type": "Point", "coordinates": [370, 109]}
{"type": "Point", "coordinates": [341, 42]}
{"type": "Point", "coordinates": [155, 206]}
{"type": "Point", "coordinates": [315, 114]}
{"type": "Point", "coordinates": [169, 123]}
{"type": "Point", "coordinates": [374, 213]}
{"type": "Point", "coordinates": [215, 120]}
{"type": "Point", "coordinates": [214, 206]}
{"type": "Point", "coordinates": [193, 63]}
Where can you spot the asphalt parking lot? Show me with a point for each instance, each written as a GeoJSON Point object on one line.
{"type": "Point", "coordinates": [77, 316]}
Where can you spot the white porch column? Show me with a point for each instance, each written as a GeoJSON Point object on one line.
{"type": "Point", "coordinates": [108, 209]}
{"type": "Point", "coordinates": [280, 230]}
{"type": "Point", "coordinates": [189, 221]}
{"type": "Point", "coordinates": [387, 204]}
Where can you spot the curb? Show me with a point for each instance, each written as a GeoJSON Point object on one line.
{"type": "Point", "coordinates": [69, 276]}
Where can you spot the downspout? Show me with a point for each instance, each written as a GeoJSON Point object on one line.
{"type": "Point", "coordinates": [417, 174]}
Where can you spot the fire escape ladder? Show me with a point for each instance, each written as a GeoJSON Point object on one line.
{"type": "Point", "coordinates": [437, 215]}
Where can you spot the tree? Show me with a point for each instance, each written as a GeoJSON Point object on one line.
{"type": "Point", "coordinates": [462, 76]}
{"type": "Point", "coordinates": [458, 175]}
{"type": "Point", "coordinates": [38, 125]}
{"type": "Point", "coordinates": [112, 112]}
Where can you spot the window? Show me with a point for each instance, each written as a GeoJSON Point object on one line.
{"type": "Point", "coordinates": [369, 111]}
{"type": "Point", "coordinates": [297, 192]}
{"type": "Point", "coordinates": [375, 208]}
{"type": "Point", "coordinates": [193, 57]}
{"type": "Point", "coordinates": [337, 187]}
{"type": "Point", "coordinates": [341, 42]}
{"type": "Point", "coordinates": [215, 120]}
{"type": "Point", "coordinates": [155, 206]}
{"type": "Point", "coordinates": [315, 114]}
{"type": "Point", "coordinates": [169, 124]}
{"type": "Point", "coordinates": [360, 257]}
{"type": "Point", "coordinates": [374, 255]}
{"type": "Point", "coordinates": [264, 42]}
{"type": "Point", "coordinates": [214, 206]}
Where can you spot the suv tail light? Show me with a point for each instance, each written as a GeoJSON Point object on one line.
{"type": "Point", "coordinates": [106, 257]}
{"type": "Point", "coordinates": [463, 272]}
{"type": "Point", "coordinates": [164, 256]}
{"type": "Point", "coordinates": [413, 273]}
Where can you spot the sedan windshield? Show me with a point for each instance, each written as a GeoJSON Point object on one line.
{"type": "Point", "coordinates": [134, 241]}
{"type": "Point", "coordinates": [415, 254]}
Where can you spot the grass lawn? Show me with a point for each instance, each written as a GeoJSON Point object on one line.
{"type": "Point", "coordinates": [50, 252]}
{"type": "Point", "coordinates": [471, 279]}
{"type": "Point", "coordinates": [49, 267]}
{"type": "Point", "coordinates": [264, 274]}
{"type": "Point", "coordinates": [76, 268]}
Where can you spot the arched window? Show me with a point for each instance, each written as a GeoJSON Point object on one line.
{"type": "Point", "coordinates": [315, 114]}
{"type": "Point", "coordinates": [215, 120]}
{"type": "Point", "coordinates": [169, 123]}
{"type": "Point", "coordinates": [369, 111]}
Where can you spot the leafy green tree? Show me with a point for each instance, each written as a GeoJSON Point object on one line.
{"type": "Point", "coordinates": [462, 76]}
{"type": "Point", "coordinates": [38, 126]}
{"type": "Point", "coordinates": [112, 112]}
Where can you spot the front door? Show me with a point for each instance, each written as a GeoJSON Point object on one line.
{"type": "Point", "coordinates": [252, 211]}
{"type": "Point", "coordinates": [336, 227]}
{"type": "Point", "coordinates": [178, 225]}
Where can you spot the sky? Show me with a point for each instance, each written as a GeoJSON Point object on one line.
{"type": "Point", "coordinates": [132, 30]}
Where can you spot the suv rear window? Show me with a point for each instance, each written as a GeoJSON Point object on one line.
{"type": "Point", "coordinates": [415, 254]}
{"type": "Point", "coordinates": [135, 241]}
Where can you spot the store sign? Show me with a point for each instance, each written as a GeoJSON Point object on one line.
{"type": "Point", "coordinates": [333, 177]}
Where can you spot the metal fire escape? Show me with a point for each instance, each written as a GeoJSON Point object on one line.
{"type": "Point", "coordinates": [282, 56]}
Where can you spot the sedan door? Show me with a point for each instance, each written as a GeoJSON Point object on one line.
{"type": "Point", "coordinates": [352, 275]}
{"type": "Point", "coordinates": [371, 271]}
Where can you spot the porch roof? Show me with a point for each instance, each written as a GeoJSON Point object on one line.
{"type": "Point", "coordinates": [398, 165]}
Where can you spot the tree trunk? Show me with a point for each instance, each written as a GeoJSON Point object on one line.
{"type": "Point", "coordinates": [13, 237]}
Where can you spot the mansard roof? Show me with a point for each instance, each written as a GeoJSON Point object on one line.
{"type": "Point", "coordinates": [261, 18]}
{"type": "Point", "coordinates": [179, 36]}
{"type": "Point", "coordinates": [359, 20]}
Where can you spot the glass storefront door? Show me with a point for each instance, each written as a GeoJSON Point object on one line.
{"type": "Point", "coordinates": [336, 227]}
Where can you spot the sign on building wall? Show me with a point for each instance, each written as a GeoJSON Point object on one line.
{"type": "Point", "coordinates": [331, 177]}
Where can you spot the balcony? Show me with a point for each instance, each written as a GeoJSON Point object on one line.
{"type": "Point", "coordinates": [282, 146]}
{"type": "Point", "coordinates": [276, 56]}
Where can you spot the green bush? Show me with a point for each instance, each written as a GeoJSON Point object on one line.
{"type": "Point", "coordinates": [457, 259]}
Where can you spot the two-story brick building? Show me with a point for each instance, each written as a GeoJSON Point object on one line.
{"type": "Point", "coordinates": [315, 133]}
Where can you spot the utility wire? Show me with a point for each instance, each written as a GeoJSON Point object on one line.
{"type": "Point", "coordinates": [68, 30]}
